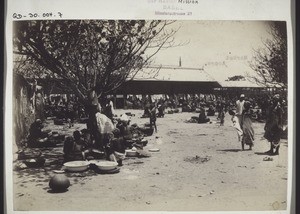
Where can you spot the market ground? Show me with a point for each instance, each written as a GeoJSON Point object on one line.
{"type": "Point", "coordinates": [222, 177]}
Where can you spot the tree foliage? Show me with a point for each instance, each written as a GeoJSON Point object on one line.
{"type": "Point", "coordinates": [91, 55]}
{"type": "Point", "coordinates": [270, 61]}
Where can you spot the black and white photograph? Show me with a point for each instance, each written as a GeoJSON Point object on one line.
{"type": "Point", "coordinates": [150, 115]}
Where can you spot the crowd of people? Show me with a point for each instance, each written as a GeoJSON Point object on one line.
{"type": "Point", "coordinates": [107, 136]}
{"type": "Point", "coordinates": [64, 108]}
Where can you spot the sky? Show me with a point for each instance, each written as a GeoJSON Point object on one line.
{"type": "Point", "coordinates": [221, 48]}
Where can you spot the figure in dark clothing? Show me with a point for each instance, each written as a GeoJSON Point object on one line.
{"type": "Point", "coordinates": [202, 117]}
{"type": "Point", "coordinates": [35, 130]}
{"type": "Point", "coordinates": [161, 110]}
{"type": "Point", "coordinates": [211, 111]}
{"type": "Point", "coordinates": [125, 133]}
{"type": "Point", "coordinates": [274, 125]}
{"type": "Point", "coordinates": [146, 112]}
{"type": "Point", "coordinates": [222, 114]}
{"type": "Point", "coordinates": [153, 117]}
{"type": "Point", "coordinates": [74, 147]}
{"type": "Point", "coordinates": [36, 133]}
{"type": "Point", "coordinates": [70, 113]}
{"type": "Point", "coordinates": [108, 110]}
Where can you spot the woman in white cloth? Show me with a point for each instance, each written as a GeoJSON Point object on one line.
{"type": "Point", "coordinates": [105, 127]}
{"type": "Point", "coordinates": [236, 124]}
{"type": "Point", "coordinates": [240, 108]}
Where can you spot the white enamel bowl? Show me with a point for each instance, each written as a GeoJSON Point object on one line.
{"type": "Point", "coordinates": [106, 165]}
{"type": "Point", "coordinates": [76, 166]}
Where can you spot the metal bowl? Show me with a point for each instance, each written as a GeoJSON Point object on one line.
{"type": "Point", "coordinates": [106, 165]}
{"type": "Point", "coordinates": [35, 162]}
{"type": "Point", "coordinates": [76, 166]}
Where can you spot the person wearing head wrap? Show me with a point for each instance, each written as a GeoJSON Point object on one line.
{"type": "Point", "coordinates": [239, 112]}
{"type": "Point", "coordinates": [248, 132]}
{"type": "Point", "coordinates": [274, 125]}
{"type": "Point", "coordinates": [36, 133]}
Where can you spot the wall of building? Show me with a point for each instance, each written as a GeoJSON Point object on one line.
{"type": "Point", "coordinates": [23, 108]}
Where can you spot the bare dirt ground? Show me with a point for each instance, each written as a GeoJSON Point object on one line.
{"type": "Point", "coordinates": [221, 177]}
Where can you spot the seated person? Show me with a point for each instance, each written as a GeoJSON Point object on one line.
{"type": "Point", "coordinates": [115, 150]}
{"type": "Point", "coordinates": [88, 144]}
{"type": "Point", "coordinates": [87, 138]}
{"type": "Point", "coordinates": [36, 133]}
{"type": "Point", "coordinates": [211, 111]}
{"type": "Point", "coordinates": [74, 147]}
{"type": "Point", "coordinates": [124, 130]}
{"type": "Point", "coordinates": [202, 117]}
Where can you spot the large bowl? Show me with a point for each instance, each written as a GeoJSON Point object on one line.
{"type": "Point", "coordinates": [106, 165]}
{"type": "Point", "coordinates": [76, 166]}
{"type": "Point", "coordinates": [35, 162]}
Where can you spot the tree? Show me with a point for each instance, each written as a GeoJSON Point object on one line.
{"type": "Point", "coordinates": [91, 56]}
{"type": "Point", "coordinates": [270, 61]}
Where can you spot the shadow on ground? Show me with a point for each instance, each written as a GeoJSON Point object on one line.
{"type": "Point", "coordinates": [230, 150]}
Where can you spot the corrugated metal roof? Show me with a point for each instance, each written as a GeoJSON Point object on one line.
{"type": "Point", "coordinates": [178, 74]}
{"type": "Point", "coordinates": [245, 84]}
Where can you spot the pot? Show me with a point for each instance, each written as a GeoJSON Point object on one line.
{"type": "Point", "coordinates": [106, 165]}
{"type": "Point", "coordinates": [76, 166]}
{"type": "Point", "coordinates": [59, 183]}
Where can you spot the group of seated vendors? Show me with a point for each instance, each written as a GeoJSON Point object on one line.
{"type": "Point", "coordinates": [82, 146]}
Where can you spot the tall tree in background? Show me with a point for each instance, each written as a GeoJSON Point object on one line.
{"type": "Point", "coordinates": [91, 57]}
{"type": "Point", "coordinates": [270, 61]}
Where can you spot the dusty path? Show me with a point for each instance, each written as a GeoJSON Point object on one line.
{"type": "Point", "coordinates": [172, 179]}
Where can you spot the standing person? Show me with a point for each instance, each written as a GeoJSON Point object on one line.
{"type": "Point", "coordinates": [222, 114]}
{"type": "Point", "coordinates": [153, 116]}
{"type": "Point", "coordinates": [240, 108]}
{"type": "Point", "coordinates": [248, 132]}
{"type": "Point", "coordinates": [161, 110]}
{"type": "Point", "coordinates": [274, 125]}
{"type": "Point", "coordinates": [105, 126]}
{"type": "Point", "coordinates": [70, 113]}
{"type": "Point", "coordinates": [39, 105]}
{"type": "Point", "coordinates": [108, 111]}
{"type": "Point", "coordinates": [111, 103]}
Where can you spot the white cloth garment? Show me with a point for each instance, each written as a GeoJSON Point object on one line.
{"type": "Point", "coordinates": [236, 125]}
{"type": "Point", "coordinates": [239, 107]}
{"type": "Point", "coordinates": [104, 123]}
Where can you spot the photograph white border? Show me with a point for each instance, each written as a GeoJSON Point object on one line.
{"type": "Point", "coordinates": [145, 9]}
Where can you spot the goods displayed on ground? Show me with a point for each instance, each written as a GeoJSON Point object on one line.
{"type": "Point", "coordinates": [34, 157]}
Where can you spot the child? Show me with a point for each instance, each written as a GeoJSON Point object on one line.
{"type": "Point", "coordinates": [115, 150]}
{"type": "Point", "coordinates": [74, 147]}
{"type": "Point", "coordinates": [236, 125]}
